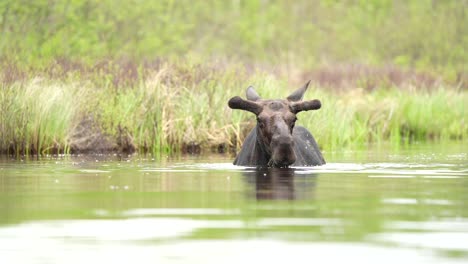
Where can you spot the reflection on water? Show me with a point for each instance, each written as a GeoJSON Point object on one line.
{"type": "Point", "coordinates": [409, 206]}
{"type": "Point", "coordinates": [279, 183]}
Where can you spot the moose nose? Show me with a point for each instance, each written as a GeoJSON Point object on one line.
{"type": "Point", "coordinates": [284, 163]}
{"type": "Point", "coordinates": [283, 152]}
{"type": "Point", "coordinates": [282, 141]}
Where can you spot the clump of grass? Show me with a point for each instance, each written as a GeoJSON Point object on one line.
{"type": "Point", "coordinates": [396, 115]}
{"type": "Point", "coordinates": [37, 116]}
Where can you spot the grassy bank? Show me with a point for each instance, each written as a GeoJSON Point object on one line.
{"type": "Point", "coordinates": [182, 106]}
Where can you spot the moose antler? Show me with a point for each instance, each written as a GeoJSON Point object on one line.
{"type": "Point", "coordinates": [305, 106]}
{"type": "Point", "coordinates": [238, 103]}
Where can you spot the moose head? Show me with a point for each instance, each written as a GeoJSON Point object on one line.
{"type": "Point", "coordinates": [275, 122]}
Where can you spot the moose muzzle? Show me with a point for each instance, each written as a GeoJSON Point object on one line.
{"type": "Point", "coordinates": [282, 147]}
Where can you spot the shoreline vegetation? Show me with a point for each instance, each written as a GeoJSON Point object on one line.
{"type": "Point", "coordinates": [173, 107]}
{"type": "Point", "coordinates": [155, 76]}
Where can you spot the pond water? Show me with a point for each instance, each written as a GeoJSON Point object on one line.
{"type": "Point", "coordinates": [375, 205]}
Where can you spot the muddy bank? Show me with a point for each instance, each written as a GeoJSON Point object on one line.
{"type": "Point", "coordinates": [88, 137]}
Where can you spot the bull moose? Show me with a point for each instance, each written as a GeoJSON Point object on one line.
{"type": "Point", "coordinates": [275, 141]}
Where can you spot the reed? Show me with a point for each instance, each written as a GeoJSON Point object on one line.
{"type": "Point", "coordinates": [178, 107]}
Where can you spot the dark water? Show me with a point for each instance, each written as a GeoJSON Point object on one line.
{"type": "Point", "coordinates": [379, 205]}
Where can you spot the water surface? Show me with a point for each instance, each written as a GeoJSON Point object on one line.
{"type": "Point", "coordinates": [375, 205]}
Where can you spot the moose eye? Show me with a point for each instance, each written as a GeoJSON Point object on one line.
{"type": "Point", "coordinates": [260, 123]}
{"type": "Point", "coordinates": [293, 123]}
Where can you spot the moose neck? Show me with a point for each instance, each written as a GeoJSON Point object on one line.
{"type": "Point", "coordinates": [262, 147]}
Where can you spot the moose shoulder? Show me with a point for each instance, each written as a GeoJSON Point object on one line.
{"type": "Point", "coordinates": [275, 140]}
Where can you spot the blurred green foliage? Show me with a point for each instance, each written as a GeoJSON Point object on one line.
{"type": "Point", "coordinates": [422, 34]}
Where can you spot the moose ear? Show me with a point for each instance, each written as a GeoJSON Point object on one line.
{"type": "Point", "coordinates": [252, 94]}
{"type": "Point", "coordinates": [299, 93]}
{"type": "Point", "coordinates": [239, 103]}
{"type": "Point", "coordinates": [306, 106]}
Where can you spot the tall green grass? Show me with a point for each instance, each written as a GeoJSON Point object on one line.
{"type": "Point", "coordinates": [400, 116]}
{"type": "Point", "coordinates": [174, 105]}
{"type": "Point", "coordinates": [37, 116]}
